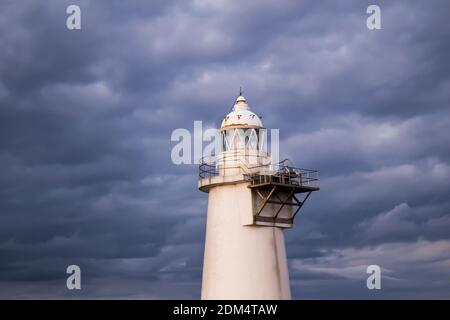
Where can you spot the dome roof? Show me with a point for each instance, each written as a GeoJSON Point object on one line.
{"type": "Point", "coordinates": [241, 116]}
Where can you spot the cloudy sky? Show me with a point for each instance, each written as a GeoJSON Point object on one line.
{"type": "Point", "coordinates": [86, 118]}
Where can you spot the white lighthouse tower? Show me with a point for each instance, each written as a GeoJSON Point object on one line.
{"type": "Point", "coordinates": [251, 200]}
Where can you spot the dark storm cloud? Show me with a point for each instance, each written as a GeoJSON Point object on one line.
{"type": "Point", "coordinates": [86, 118]}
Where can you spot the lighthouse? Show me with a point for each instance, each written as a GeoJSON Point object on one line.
{"type": "Point", "coordinates": [251, 200]}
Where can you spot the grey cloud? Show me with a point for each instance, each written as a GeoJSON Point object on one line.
{"type": "Point", "coordinates": [86, 118]}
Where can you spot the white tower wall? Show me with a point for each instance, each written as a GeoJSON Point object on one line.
{"type": "Point", "coordinates": [241, 262]}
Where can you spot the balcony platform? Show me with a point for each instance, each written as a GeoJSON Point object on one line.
{"type": "Point", "coordinates": [279, 190]}
{"type": "Point", "coordinates": [282, 182]}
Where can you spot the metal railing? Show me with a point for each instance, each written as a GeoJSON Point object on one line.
{"type": "Point", "coordinates": [281, 172]}
{"type": "Point", "coordinates": [207, 169]}
{"type": "Point", "coordinates": [284, 173]}
{"type": "Point", "coordinates": [209, 165]}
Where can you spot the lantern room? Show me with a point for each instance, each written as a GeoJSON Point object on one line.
{"type": "Point", "coordinates": [242, 128]}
